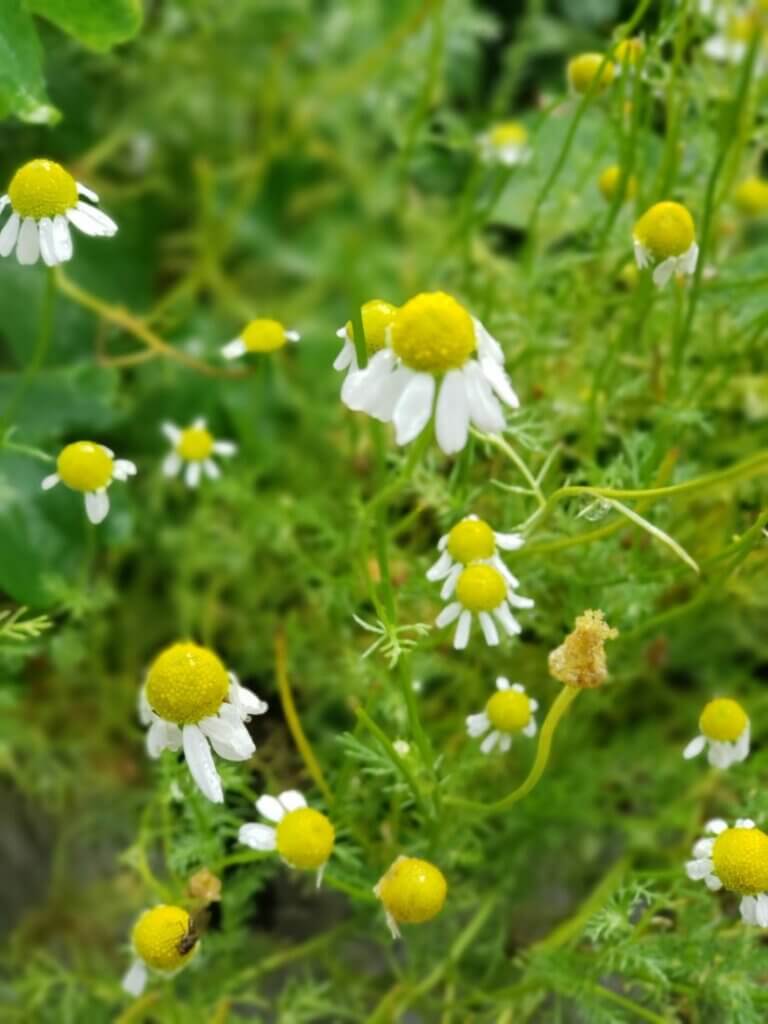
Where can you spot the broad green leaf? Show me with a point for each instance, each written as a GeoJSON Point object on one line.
{"type": "Point", "coordinates": [22, 88]}
{"type": "Point", "coordinates": [97, 24]}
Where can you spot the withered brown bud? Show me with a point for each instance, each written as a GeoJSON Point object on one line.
{"type": "Point", "coordinates": [580, 659]}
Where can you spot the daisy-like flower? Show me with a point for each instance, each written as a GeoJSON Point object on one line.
{"type": "Point", "coordinates": [412, 891]}
{"type": "Point", "coordinates": [508, 712]}
{"type": "Point", "coordinates": [190, 701]}
{"type": "Point", "coordinates": [735, 859]}
{"type": "Point", "coordinates": [751, 196]}
{"type": "Point", "coordinates": [377, 316]}
{"type": "Point", "coordinates": [90, 468]}
{"type": "Point", "coordinates": [44, 200]}
{"type": "Point", "coordinates": [588, 68]}
{"type": "Point", "coordinates": [665, 236]}
{"type": "Point", "coordinates": [303, 837]}
{"type": "Point", "coordinates": [737, 28]}
{"type": "Point", "coordinates": [473, 540]}
{"type": "Point", "coordinates": [506, 143]}
{"type": "Point", "coordinates": [724, 730]}
{"type": "Point", "coordinates": [609, 182]}
{"type": "Point", "coordinates": [261, 335]}
{"type": "Point", "coordinates": [434, 347]}
{"type": "Point", "coordinates": [482, 590]}
{"type": "Point", "coordinates": [195, 445]}
{"type": "Point", "coordinates": [164, 939]}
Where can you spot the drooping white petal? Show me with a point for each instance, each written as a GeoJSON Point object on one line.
{"type": "Point", "coordinates": [387, 394]}
{"type": "Point", "coordinates": [62, 238]}
{"type": "Point", "coordinates": [452, 413]}
{"type": "Point", "coordinates": [135, 978]}
{"type": "Point", "coordinates": [50, 481]}
{"type": "Point", "coordinates": [505, 742]}
{"type": "Point", "coordinates": [490, 742]}
{"type": "Point", "coordinates": [441, 568]}
{"type": "Point", "coordinates": [192, 474]}
{"type": "Point", "coordinates": [448, 587]}
{"type": "Point", "coordinates": [9, 234]}
{"type": "Point", "coordinates": [146, 714]}
{"type": "Point", "coordinates": [449, 614]}
{"type": "Point", "coordinates": [292, 800]}
{"type": "Point", "coordinates": [360, 385]}
{"type": "Point", "coordinates": [28, 247]}
{"type": "Point", "coordinates": [486, 343]}
{"type": "Point", "coordinates": [689, 259]}
{"type": "Point", "coordinates": [234, 349]}
{"type": "Point", "coordinates": [761, 910]}
{"type": "Point", "coordinates": [720, 755]}
{"type": "Point", "coordinates": [695, 747]}
{"type": "Point", "coordinates": [96, 506]}
{"type": "Point", "coordinates": [4, 201]}
{"type": "Point", "coordinates": [244, 700]}
{"type": "Point", "coordinates": [91, 220]}
{"type": "Point", "coordinates": [257, 836]}
{"type": "Point", "coordinates": [642, 256]}
{"type": "Point", "coordinates": [664, 271]}
{"type": "Point", "coordinates": [171, 464]}
{"type": "Point", "coordinates": [530, 729]}
{"type": "Point", "coordinates": [414, 407]}
{"type": "Point", "coordinates": [509, 541]}
{"type": "Point", "coordinates": [478, 724]}
{"type": "Point", "coordinates": [47, 245]}
{"type": "Point", "coordinates": [123, 468]}
{"type": "Point", "coordinates": [211, 470]}
{"type": "Point", "coordinates": [496, 376]}
{"type": "Point", "coordinates": [171, 431]}
{"type": "Point", "coordinates": [346, 357]}
{"type": "Point", "coordinates": [201, 765]}
{"type": "Point", "coordinates": [748, 910]}
{"type": "Point", "coordinates": [162, 736]}
{"type": "Point", "coordinates": [230, 740]}
{"type": "Point", "coordinates": [698, 869]}
{"type": "Point", "coordinates": [507, 620]}
{"type": "Point", "coordinates": [488, 627]}
{"type": "Point", "coordinates": [269, 807]}
{"type": "Point", "coordinates": [461, 636]}
{"type": "Point", "coordinates": [497, 562]}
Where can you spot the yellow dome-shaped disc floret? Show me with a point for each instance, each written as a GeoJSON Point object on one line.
{"type": "Point", "coordinates": [751, 196]}
{"type": "Point", "coordinates": [413, 891]}
{"type": "Point", "coordinates": [723, 720]}
{"type": "Point", "coordinates": [377, 317]}
{"type": "Point", "coordinates": [264, 335]}
{"type": "Point", "coordinates": [42, 188]}
{"type": "Point", "coordinates": [195, 444]}
{"type": "Point", "coordinates": [164, 937]}
{"type": "Point", "coordinates": [432, 332]}
{"type": "Point", "coordinates": [508, 133]}
{"type": "Point", "coordinates": [609, 180]}
{"type": "Point", "coordinates": [85, 466]}
{"type": "Point", "coordinates": [481, 588]}
{"type": "Point", "coordinates": [667, 229]}
{"type": "Point", "coordinates": [586, 69]}
{"type": "Point", "coordinates": [740, 856]}
{"type": "Point", "coordinates": [630, 51]}
{"type": "Point", "coordinates": [185, 683]}
{"type": "Point", "coordinates": [470, 541]}
{"type": "Point", "coordinates": [509, 710]}
{"type": "Point", "coordinates": [305, 839]}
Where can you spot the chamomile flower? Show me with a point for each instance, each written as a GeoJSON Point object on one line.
{"type": "Point", "coordinates": [588, 68]}
{"type": "Point", "coordinates": [482, 591]}
{"type": "Point", "coordinates": [472, 540]}
{"type": "Point", "coordinates": [261, 335]}
{"type": "Point", "coordinates": [377, 316]}
{"type": "Point", "coordinates": [506, 143]}
{"type": "Point", "coordinates": [190, 701]}
{"type": "Point", "coordinates": [610, 180]}
{"type": "Point", "coordinates": [164, 940]}
{"type": "Point", "coordinates": [508, 712]}
{"type": "Point", "coordinates": [194, 445]}
{"type": "Point", "coordinates": [751, 196]}
{"type": "Point", "coordinates": [89, 468]}
{"type": "Point", "coordinates": [735, 859]}
{"type": "Point", "coordinates": [412, 891]}
{"type": "Point", "coordinates": [302, 837]}
{"type": "Point", "coordinates": [665, 237]}
{"type": "Point", "coordinates": [737, 29]}
{"type": "Point", "coordinates": [44, 200]}
{"type": "Point", "coordinates": [437, 359]}
{"type": "Point", "coordinates": [724, 731]}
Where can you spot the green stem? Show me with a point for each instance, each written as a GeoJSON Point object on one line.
{"type": "Point", "coordinates": [395, 758]}
{"type": "Point", "coordinates": [38, 356]}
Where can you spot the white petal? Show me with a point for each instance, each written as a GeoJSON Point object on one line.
{"type": "Point", "coordinates": [489, 742]}
{"type": "Point", "coordinates": [123, 468]}
{"type": "Point", "coordinates": [292, 336]}
{"type": "Point", "coordinates": [461, 637]}
{"type": "Point", "coordinates": [146, 714]}
{"type": "Point", "coordinates": [484, 409]}
{"type": "Point", "coordinates": [507, 620]}
{"type": "Point", "coordinates": [719, 755]}
{"type": "Point", "coordinates": [516, 601]}
{"type": "Point", "coordinates": [497, 378]}
{"type": "Point", "coordinates": [664, 271]}
{"type": "Point", "coordinates": [744, 823]}
{"type": "Point", "coordinates": [162, 736]}
{"type": "Point", "coordinates": [441, 568]}
{"type": "Point", "coordinates": [211, 470]}
{"type": "Point", "coordinates": [192, 474]}
{"type": "Point", "coordinates": [231, 741]}
{"type": "Point", "coordinates": [200, 763]}
{"type": "Point", "coordinates": [695, 747]}
{"type": "Point", "coordinates": [448, 615]}
{"type": "Point", "coordinates": [346, 357]}
{"type": "Point", "coordinates": [478, 724]}
{"type": "Point", "coordinates": [200, 423]}
{"type": "Point", "coordinates": [292, 800]}
{"type": "Point", "coordinates": [87, 193]}
{"type": "Point", "coordinates": [488, 627]}
{"type": "Point", "coordinates": [97, 506]}
{"type": "Point", "coordinates": [28, 248]}
{"type": "Point", "coordinates": [135, 978]}
{"type": "Point", "coordinates": [171, 464]}
{"type": "Point", "coordinates": [505, 742]}
{"type": "Point", "coordinates": [362, 385]}
{"type": "Point", "coordinates": [234, 349]}
{"type": "Point", "coordinates": [246, 702]}
{"type": "Point", "coordinates": [4, 201]}
{"type": "Point", "coordinates": [50, 481]}
{"type": "Point", "coordinates": [497, 563]}
{"type": "Point", "coordinates": [171, 431]}
{"type": "Point", "coordinates": [225, 448]}
{"type": "Point", "coordinates": [47, 245]}
{"type": "Point", "coordinates": [258, 837]}
{"type": "Point", "coordinates": [530, 729]}
{"type": "Point", "coordinates": [269, 807]}
{"type": "Point", "coordinates": [748, 910]}
{"type": "Point", "coordinates": [92, 221]}
{"type": "Point", "coordinates": [509, 541]}
{"type": "Point", "coordinates": [713, 883]}
{"type": "Point", "coordinates": [716, 826]}
{"type": "Point", "coordinates": [689, 259]}
{"type": "Point", "coordinates": [642, 256]}
{"type": "Point", "coordinates": [486, 343]}
{"type": "Point", "coordinates": [448, 587]}
{"type": "Point", "coordinates": [414, 407]}
{"type": "Point", "coordinates": [502, 683]}
{"type": "Point", "coordinates": [452, 413]}
{"type": "Point", "coordinates": [9, 234]}
{"type": "Point", "coordinates": [62, 239]}
{"type": "Point", "coordinates": [698, 869]}
{"type": "Point", "coordinates": [761, 910]}
{"type": "Point", "coordinates": [703, 847]}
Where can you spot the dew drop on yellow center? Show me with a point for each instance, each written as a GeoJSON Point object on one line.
{"type": "Point", "coordinates": [42, 188]}
{"type": "Point", "coordinates": [85, 466]}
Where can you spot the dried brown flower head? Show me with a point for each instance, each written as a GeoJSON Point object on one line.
{"type": "Point", "coordinates": [204, 886]}
{"type": "Point", "coordinates": [580, 658]}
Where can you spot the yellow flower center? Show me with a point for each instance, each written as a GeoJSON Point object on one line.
{"type": "Point", "coordinates": [666, 230]}
{"type": "Point", "coordinates": [413, 890]}
{"type": "Point", "coordinates": [629, 51]}
{"type": "Point", "coordinates": [723, 719]}
{"type": "Point", "coordinates": [377, 317]}
{"type": "Point", "coordinates": [741, 860]}
{"type": "Point", "coordinates": [305, 839]}
{"type": "Point", "coordinates": [163, 937]}
{"type": "Point", "coordinates": [264, 336]}
{"type": "Point", "coordinates": [471, 540]}
{"type": "Point", "coordinates": [84, 466]}
{"type": "Point", "coordinates": [481, 588]}
{"type": "Point", "coordinates": [741, 27]}
{"type": "Point", "coordinates": [751, 196]}
{"type": "Point", "coordinates": [185, 683]}
{"type": "Point", "coordinates": [42, 188]}
{"type": "Point", "coordinates": [608, 183]}
{"type": "Point", "coordinates": [508, 133]}
{"type": "Point", "coordinates": [509, 710]}
{"type": "Point", "coordinates": [432, 332]}
{"type": "Point", "coordinates": [584, 69]}
{"type": "Point", "coordinates": [195, 444]}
